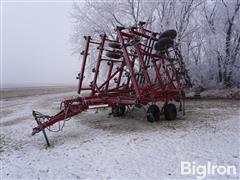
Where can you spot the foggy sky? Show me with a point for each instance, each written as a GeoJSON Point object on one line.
{"type": "Point", "coordinates": [36, 46]}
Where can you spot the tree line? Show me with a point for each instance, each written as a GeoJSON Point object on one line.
{"type": "Point", "coordinates": [208, 32]}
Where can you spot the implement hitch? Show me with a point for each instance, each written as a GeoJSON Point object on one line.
{"type": "Point", "coordinates": [38, 117]}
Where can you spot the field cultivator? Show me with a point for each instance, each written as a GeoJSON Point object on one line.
{"type": "Point", "coordinates": [138, 67]}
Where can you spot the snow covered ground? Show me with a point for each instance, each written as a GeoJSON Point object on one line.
{"type": "Point", "coordinates": [232, 93]}
{"type": "Point", "coordinates": [95, 145]}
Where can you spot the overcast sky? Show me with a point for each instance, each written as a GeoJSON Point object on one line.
{"type": "Point", "coordinates": [36, 46]}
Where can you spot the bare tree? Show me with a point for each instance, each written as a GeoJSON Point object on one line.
{"type": "Point", "coordinates": [208, 41]}
{"type": "Point", "coordinates": [226, 30]}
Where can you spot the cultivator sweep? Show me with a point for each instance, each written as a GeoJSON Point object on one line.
{"type": "Point", "coordinates": [138, 67]}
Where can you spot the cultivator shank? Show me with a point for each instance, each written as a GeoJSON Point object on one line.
{"type": "Point", "coordinates": [137, 67]}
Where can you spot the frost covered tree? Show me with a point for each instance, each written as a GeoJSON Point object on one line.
{"type": "Point", "coordinates": [93, 18]}
{"type": "Point", "coordinates": [208, 32]}
{"type": "Point", "coordinates": [222, 27]}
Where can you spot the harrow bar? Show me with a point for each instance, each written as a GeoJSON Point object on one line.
{"type": "Point", "coordinates": [127, 70]}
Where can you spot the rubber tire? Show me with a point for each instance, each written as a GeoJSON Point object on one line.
{"type": "Point", "coordinates": [113, 55]}
{"type": "Point", "coordinates": [163, 44]}
{"type": "Point", "coordinates": [118, 110]}
{"type": "Point", "coordinates": [170, 112]}
{"type": "Point", "coordinates": [153, 113]}
{"type": "Point", "coordinates": [171, 33]}
{"type": "Point", "coordinates": [114, 45]}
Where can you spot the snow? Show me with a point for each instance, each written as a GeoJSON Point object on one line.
{"type": "Point", "coordinates": [95, 145]}
{"type": "Point", "coordinates": [222, 93]}
{"type": "Point", "coordinates": [232, 93]}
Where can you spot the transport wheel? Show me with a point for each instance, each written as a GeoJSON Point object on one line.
{"type": "Point", "coordinates": [170, 112]}
{"type": "Point", "coordinates": [113, 55]}
{"type": "Point", "coordinates": [153, 113]}
{"type": "Point", "coordinates": [163, 44]}
{"type": "Point", "coordinates": [171, 33]}
{"type": "Point", "coordinates": [114, 45]}
{"type": "Point", "coordinates": [118, 110]}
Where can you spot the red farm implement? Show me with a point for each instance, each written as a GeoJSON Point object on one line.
{"type": "Point", "coordinates": [138, 67]}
